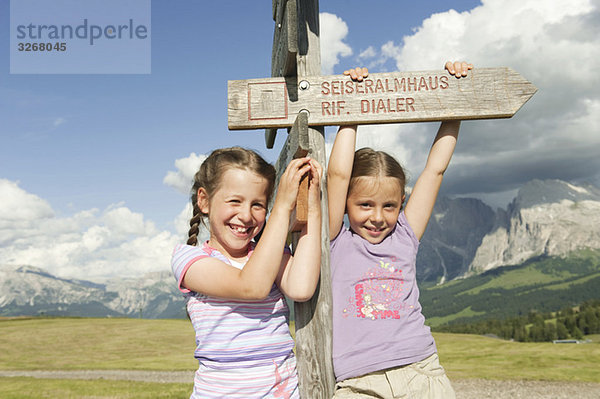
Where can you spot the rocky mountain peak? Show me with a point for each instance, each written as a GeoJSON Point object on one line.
{"type": "Point", "coordinates": [538, 192]}
{"type": "Point", "coordinates": [28, 290]}
{"type": "Point", "coordinates": [547, 218]}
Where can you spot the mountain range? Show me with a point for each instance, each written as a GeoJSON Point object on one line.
{"type": "Point", "coordinates": [465, 240]}
{"type": "Point", "coordinates": [31, 291]}
{"type": "Point", "coordinates": [466, 237]}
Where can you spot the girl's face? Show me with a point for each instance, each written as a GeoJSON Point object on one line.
{"type": "Point", "coordinates": [373, 206]}
{"type": "Point", "coordinates": [236, 211]}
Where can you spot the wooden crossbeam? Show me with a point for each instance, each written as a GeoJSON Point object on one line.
{"type": "Point", "coordinates": [486, 93]}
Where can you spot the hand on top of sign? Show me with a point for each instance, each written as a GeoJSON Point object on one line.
{"type": "Point", "coordinates": [458, 68]}
{"type": "Point", "coordinates": [357, 73]}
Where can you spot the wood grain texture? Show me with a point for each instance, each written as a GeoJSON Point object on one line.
{"type": "Point", "coordinates": [423, 96]}
{"type": "Point", "coordinates": [285, 48]}
{"type": "Point", "coordinates": [296, 146]}
{"type": "Point", "coordinates": [285, 40]}
{"type": "Point", "coordinates": [313, 318]}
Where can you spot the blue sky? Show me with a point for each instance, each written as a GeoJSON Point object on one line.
{"type": "Point", "coordinates": [93, 168]}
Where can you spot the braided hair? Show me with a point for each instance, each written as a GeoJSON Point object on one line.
{"type": "Point", "coordinates": [209, 177]}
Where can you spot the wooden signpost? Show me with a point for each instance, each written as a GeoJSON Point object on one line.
{"type": "Point", "coordinates": [297, 98]}
{"type": "Point", "coordinates": [486, 93]}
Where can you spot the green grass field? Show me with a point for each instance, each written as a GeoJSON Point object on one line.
{"type": "Point", "coordinates": [472, 356]}
{"type": "Point", "coordinates": [99, 344]}
{"type": "Point", "coordinates": [21, 387]}
{"type": "Point", "coordinates": [167, 345]}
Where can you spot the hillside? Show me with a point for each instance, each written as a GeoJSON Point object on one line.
{"type": "Point", "coordinates": [542, 284]}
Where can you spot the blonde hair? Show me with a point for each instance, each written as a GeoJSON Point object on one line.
{"type": "Point", "coordinates": [211, 172]}
{"type": "Point", "coordinates": [371, 163]}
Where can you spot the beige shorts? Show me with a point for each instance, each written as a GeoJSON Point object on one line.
{"type": "Point", "coordinates": [421, 380]}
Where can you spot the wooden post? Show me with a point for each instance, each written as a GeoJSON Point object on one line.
{"type": "Point", "coordinates": [285, 47]}
{"type": "Point", "coordinates": [313, 318]}
{"type": "Point", "coordinates": [297, 145]}
{"type": "Point", "coordinates": [283, 64]}
{"type": "Point", "coordinates": [296, 53]}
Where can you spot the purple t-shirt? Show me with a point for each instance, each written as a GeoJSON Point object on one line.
{"type": "Point", "coordinates": [377, 319]}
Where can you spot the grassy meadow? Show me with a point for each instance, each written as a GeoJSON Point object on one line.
{"type": "Point", "coordinates": [21, 387]}
{"type": "Point", "coordinates": [167, 345]}
{"type": "Point", "coordinates": [473, 356]}
{"type": "Point", "coordinates": [96, 344]}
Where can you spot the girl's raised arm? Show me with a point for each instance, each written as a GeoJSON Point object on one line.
{"type": "Point", "coordinates": [422, 199]}
{"type": "Point", "coordinates": [339, 170]}
{"type": "Point", "coordinates": [299, 275]}
{"type": "Point", "coordinates": [339, 166]}
{"type": "Point", "coordinates": [424, 194]}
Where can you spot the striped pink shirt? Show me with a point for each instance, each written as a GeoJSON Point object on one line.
{"type": "Point", "coordinates": [244, 348]}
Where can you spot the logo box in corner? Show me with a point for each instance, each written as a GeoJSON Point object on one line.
{"type": "Point", "coordinates": [80, 37]}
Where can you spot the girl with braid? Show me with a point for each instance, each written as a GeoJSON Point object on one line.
{"type": "Point", "coordinates": [234, 286]}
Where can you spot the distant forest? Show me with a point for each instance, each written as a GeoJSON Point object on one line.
{"type": "Point", "coordinates": [568, 323]}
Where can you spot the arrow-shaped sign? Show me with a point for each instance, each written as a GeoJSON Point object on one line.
{"type": "Point", "coordinates": [486, 93]}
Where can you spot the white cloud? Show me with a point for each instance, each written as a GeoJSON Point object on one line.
{"type": "Point", "coordinates": [182, 179]}
{"type": "Point", "coordinates": [368, 53]}
{"type": "Point", "coordinates": [182, 222]}
{"type": "Point", "coordinates": [182, 225]}
{"type": "Point", "coordinates": [555, 135]}
{"type": "Point", "coordinates": [373, 59]}
{"type": "Point", "coordinates": [123, 222]}
{"type": "Point", "coordinates": [333, 32]}
{"type": "Point", "coordinates": [19, 205]}
{"type": "Point", "coordinates": [58, 121]}
{"type": "Point", "coordinates": [522, 32]}
{"type": "Point", "coordinates": [87, 245]}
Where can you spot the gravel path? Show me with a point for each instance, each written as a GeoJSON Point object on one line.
{"type": "Point", "coordinates": [519, 389]}
{"type": "Point", "coordinates": [465, 389]}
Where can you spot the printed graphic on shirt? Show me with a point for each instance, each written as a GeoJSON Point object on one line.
{"type": "Point", "coordinates": [377, 295]}
{"type": "Point", "coordinates": [280, 386]}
